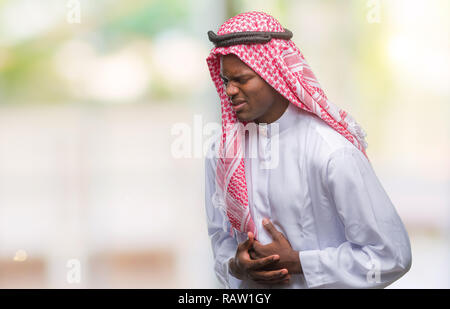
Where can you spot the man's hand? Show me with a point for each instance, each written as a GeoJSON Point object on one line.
{"type": "Point", "coordinates": [289, 258]}
{"type": "Point", "coordinates": [242, 266]}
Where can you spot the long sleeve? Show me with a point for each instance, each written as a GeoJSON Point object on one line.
{"type": "Point", "coordinates": [377, 251]}
{"type": "Point", "coordinates": [223, 245]}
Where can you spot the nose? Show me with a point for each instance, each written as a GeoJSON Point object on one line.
{"type": "Point", "coordinates": [231, 90]}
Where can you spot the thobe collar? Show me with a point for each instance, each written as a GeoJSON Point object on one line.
{"type": "Point", "coordinates": [287, 119]}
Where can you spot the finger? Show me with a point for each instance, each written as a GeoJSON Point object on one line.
{"type": "Point", "coordinates": [282, 280]}
{"type": "Point", "coordinates": [271, 228]}
{"type": "Point", "coordinates": [256, 245]}
{"type": "Point", "coordinates": [261, 263]}
{"type": "Point", "coordinates": [287, 281]}
{"type": "Point", "coordinates": [272, 283]}
{"type": "Point", "coordinates": [262, 250]}
{"type": "Point", "coordinates": [246, 245]}
{"type": "Point", "coordinates": [271, 275]}
{"type": "Point", "coordinates": [255, 250]}
{"type": "Point", "coordinates": [253, 255]}
{"type": "Point", "coordinates": [250, 240]}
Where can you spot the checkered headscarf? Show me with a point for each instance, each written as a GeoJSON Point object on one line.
{"type": "Point", "coordinates": [281, 64]}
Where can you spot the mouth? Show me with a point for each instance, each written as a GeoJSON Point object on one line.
{"type": "Point", "coordinates": [237, 106]}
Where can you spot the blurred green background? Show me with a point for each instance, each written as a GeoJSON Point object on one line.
{"type": "Point", "coordinates": [91, 90]}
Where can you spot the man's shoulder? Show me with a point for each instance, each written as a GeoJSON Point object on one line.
{"type": "Point", "coordinates": [323, 141]}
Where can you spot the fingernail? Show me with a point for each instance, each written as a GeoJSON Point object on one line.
{"type": "Point", "coordinates": [265, 221]}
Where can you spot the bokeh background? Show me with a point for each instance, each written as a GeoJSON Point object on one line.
{"type": "Point", "coordinates": [90, 93]}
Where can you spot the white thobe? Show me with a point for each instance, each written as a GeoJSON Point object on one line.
{"type": "Point", "coordinates": [324, 196]}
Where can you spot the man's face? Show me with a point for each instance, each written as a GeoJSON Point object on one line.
{"type": "Point", "coordinates": [252, 98]}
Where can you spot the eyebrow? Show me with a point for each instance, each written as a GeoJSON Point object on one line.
{"type": "Point", "coordinates": [236, 77]}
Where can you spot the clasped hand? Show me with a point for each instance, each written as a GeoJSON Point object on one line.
{"type": "Point", "coordinates": [266, 264]}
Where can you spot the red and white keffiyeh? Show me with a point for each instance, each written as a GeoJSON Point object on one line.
{"type": "Point", "coordinates": [281, 64]}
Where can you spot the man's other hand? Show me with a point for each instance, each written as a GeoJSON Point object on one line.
{"type": "Point", "coordinates": [243, 266]}
{"type": "Point", "coordinates": [289, 258]}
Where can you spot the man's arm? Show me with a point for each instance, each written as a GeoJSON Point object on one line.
{"type": "Point", "coordinates": [377, 251]}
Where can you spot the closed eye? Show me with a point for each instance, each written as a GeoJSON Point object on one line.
{"type": "Point", "coordinates": [242, 81]}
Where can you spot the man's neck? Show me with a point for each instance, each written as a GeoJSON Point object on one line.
{"type": "Point", "coordinates": [275, 112]}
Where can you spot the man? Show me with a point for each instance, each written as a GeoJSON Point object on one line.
{"type": "Point", "coordinates": [318, 217]}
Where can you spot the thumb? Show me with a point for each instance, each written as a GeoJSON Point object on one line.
{"type": "Point", "coordinates": [271, 229]}
{"type": "Point", "coordinates": [249, 242]}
